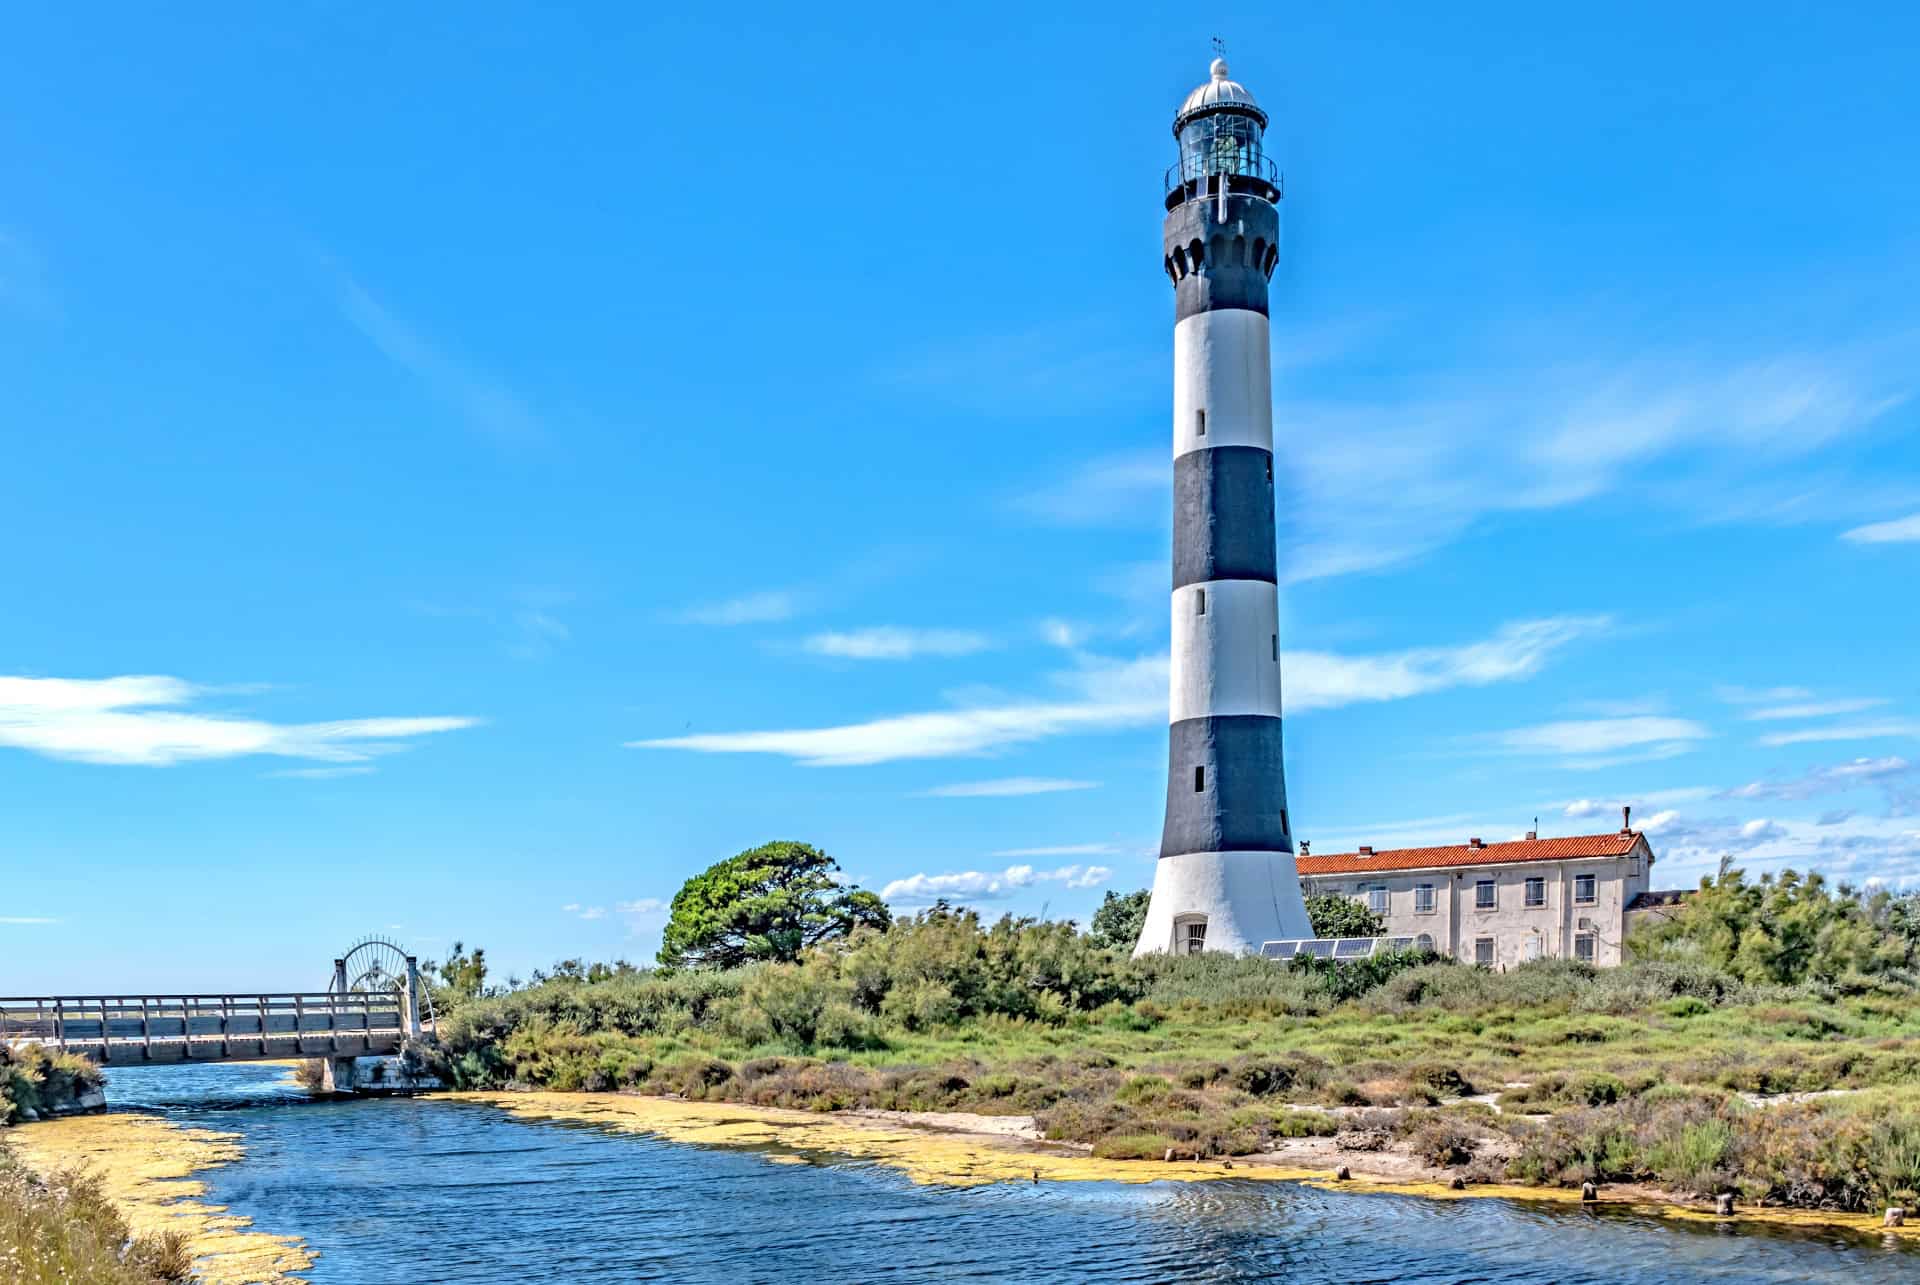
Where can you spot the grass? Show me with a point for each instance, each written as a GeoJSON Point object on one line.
{"type": "Point", "coordinates": [62, 1230]}
{"type": "Point", "coordinates": [1632, 1072]}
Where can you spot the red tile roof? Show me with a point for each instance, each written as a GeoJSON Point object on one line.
{"type": "Point", "coordinates": [1572, 847]}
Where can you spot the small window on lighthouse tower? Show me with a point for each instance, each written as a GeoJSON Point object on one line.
{"type": "Point", "coordinates": [1200, 602]}
{"type": "Point", "coordinates": [1200, 779]}
{"type": "Point", "coordinates": [1200, 423]}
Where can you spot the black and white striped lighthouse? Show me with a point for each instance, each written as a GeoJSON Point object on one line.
{"type": "Point", "coordinates": [1225, 879]}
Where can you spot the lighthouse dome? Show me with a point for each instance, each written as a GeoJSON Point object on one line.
{"type": "Point", "coordinates": [1221, 93]}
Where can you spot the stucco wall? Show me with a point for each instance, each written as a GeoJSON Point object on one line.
{"type": "Point", "coordinates": [1455, 923]}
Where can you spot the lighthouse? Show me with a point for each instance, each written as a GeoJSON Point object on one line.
{"type": "Point", "coordinates": [1225, 880]}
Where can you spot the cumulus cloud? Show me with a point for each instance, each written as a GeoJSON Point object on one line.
{"type": "Point", "coordinates": [1102, 694]}
{"type": "Point", "coordinates": [1008, 787]}
{"type": "Point", "coordinates": [987, 885]}
{"type": "Point", "coordinates": [1899, 531]}
{"type": "Point", "coordinates": [887, 642]}
{"type": "Point", "coordinates": [142, 719]}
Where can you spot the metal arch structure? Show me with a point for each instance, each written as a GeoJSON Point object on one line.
{"type": "Point", "coordinates": [381, 966]}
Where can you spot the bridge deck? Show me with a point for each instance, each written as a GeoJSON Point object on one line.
{"type": "Point", "coordinates": [122, 1030]}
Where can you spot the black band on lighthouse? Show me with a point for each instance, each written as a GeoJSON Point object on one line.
{"type": "Point", "coordinates": [1223, 515]}
{"type": "Point", "coordinates": [1240, 804]}
{"type": "Point", "coordinates": [1221, 263]}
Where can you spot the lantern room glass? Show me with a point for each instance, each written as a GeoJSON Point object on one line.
{"type": "Point", "coordinates": [1220, 143]}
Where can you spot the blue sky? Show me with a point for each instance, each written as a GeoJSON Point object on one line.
{"type": "Point", "coordinates": [410, 421]}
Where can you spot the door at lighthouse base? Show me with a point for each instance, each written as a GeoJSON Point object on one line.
{"type": "Point", "coordinates": [1189, 934]}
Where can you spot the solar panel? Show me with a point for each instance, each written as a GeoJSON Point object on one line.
{"type": "Point", "coordinates": [1319, 948]}
{"type": "Point", "coordinates": [1353, 948]}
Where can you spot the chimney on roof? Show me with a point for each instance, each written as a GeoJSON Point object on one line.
{"type": "Point", "coordinates": [1475, 843]}
{"type": "Point", "coordinates": [1532, 835]}
{"type": "Point", "coordinates": [1303, 847]}
{"type": "Point", "coordinates": [1366, 849]}
{"type": "Point", "coordinates": [1626, 819]}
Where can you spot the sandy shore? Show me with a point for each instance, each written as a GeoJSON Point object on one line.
{"type": "Point", "coordinates": [954, 1148]}
{"type": "Point", "coordinates": [146, 1164]}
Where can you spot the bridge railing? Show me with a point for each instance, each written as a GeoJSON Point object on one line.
{"type": "Point", "coordinates": [113, 1028]}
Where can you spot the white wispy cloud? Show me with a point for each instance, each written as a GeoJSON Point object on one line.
{"type": "Point", "coordinates": [1063, 850]}
{"type": "Point", "coordinates": [26, 920]}
{"type": "Point", "coordinates": [767, 607]}
{"type": "Point", "coordinates": [1814, 709]}
{"type": "Point", "coordinates": [1598, 742]}
{"type": "Point", "coordinates": [1008, 787]}
{"type": "Point", "coordinates": [1733, 695]}
{"type": "Point", "coordinates": [1103, 694]}
{"type": "Point", "coordinates": [989, 885]}
{"type": "Point", "coordinates": [890, 642]}
{"type": "Point", "coordinates": [1828, 780]}
{"type": "Point", "coordinates": [319, 773]}
{"type": "Point", "coordinates": [484, 401]}
{"type": "Point", "coordinates": [1842, 732]}
{"type": "Point", "coordinates": [1391, 480]}
{"type": "Point", "coordinates": [1582, 808]}
{"type": "Point", "coordinates": [140, 719]}
{"type": "Point", "coordinates": [1113, 490]}
{"type": "Point", "coordinates": [1899, 531]}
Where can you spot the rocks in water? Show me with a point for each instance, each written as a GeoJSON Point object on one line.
{"type": "Point", "coordinates": [1723, 1204]}
{"type": "Point", "coordinates": [1895, 1217]}
{"type": "Point", "coordinates": [1175, 1153]}
{"type": "Point", "coordinates": [1342, 1174]}
{"type": "Point", "coordinates": [1589, 1192]}
{"type": "Point", "coordinates": [1458, 1183]}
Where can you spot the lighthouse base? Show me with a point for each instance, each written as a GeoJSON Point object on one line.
{"type": "Point", "coordinates": [1223, 901]}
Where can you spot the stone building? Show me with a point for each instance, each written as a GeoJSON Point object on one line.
{"type": "Point", "coordinates": [1499, 904]}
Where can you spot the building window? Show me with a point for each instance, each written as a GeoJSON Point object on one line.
{"type": "Point", "coordinates": [1483, 894]}
{"type": "Point", "coordinates": [1423, 899]}
{"type": "Point", "coordinates": [1199, 423]}
{"type": "Point", "coordinates": [1536, 891]}
{"type": "Point", "coordinates": [1423, 942]}
{"type": "Point", "coordinates": [1200, 598]}
{"type": "Point", "coordinates": [1377, 898]}
{"type": "Point", "coordinates": [1530, 948]}
{"type": "Point", "coordinates": [1284, 827]}
{"type": "Point", "coordinates": [1483, 951]}
{"type": "Point", "coordinates": [1583, 890]}
{"type": "Point", "coordinates": [1276, 648]}
{"type": "Point", "coordinates": [1583, 947]}
{"type": "Point", "coordinates": [1200, 779]}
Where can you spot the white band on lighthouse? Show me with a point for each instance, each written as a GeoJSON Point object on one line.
{"type": "Point", "coordinates": [1226, 649]}
{"type": "Point", "coordinates": [1221, 367]}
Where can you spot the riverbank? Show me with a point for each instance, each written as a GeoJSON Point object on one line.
{"type": "Point", "coordinates": [146, 1166]}
{"type": "Point", "coordinates": [963, 1149]}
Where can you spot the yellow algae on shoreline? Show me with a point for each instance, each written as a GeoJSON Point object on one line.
{"type": "Point", "coordinates": [146, 1165]}
{"type": "Point", "coordinates": [960, 1159]}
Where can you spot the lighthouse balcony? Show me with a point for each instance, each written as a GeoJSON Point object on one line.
{"type": "Point", "coordinates": [1193, 179]}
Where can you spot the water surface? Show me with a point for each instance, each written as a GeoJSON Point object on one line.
{"type": "Point", "coordinates": [442, 1192]}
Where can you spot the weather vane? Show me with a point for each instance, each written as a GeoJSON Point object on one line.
{"type": "Point", "coordinates": [1219, 47]}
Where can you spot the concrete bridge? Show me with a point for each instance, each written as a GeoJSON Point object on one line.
{"type": "Point", "coordinates": [358, 1025]}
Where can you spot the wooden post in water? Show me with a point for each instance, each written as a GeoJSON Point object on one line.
{"type": "Point", "coordinates": [146, 1032]}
